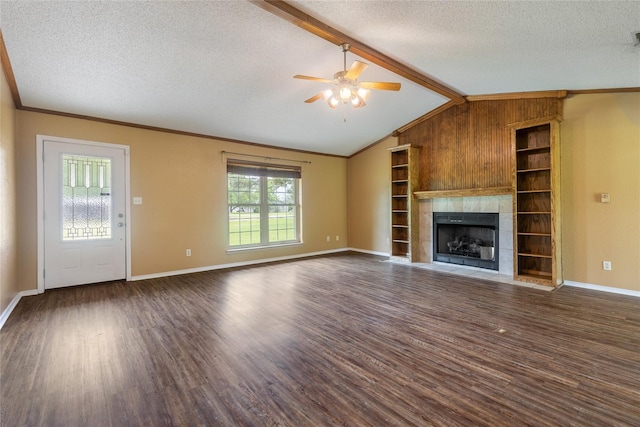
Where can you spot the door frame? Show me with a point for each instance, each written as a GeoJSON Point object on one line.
{"type": "Point", "coordinates": [40, 140]}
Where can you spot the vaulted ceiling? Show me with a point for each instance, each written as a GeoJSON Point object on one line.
{"type": "Point", "coordinates": [225, 68]}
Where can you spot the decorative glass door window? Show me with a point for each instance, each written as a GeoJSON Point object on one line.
{"type": "Point", "coordinates": [86, 197]}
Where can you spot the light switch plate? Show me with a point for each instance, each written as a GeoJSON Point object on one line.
{"type": "Point", "coordinates": [137, 200]}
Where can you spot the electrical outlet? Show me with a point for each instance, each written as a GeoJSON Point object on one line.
{"type": "Point", "coordinates": [605, 198]}
{"type": "Point", "coordinates": [137, 200]}
{"type": "Point", "coordinates": [337, 238]}
{"type": "Point", "coordinates": [606, 265]}
{"type": "Point", "coordinates": [328, 238]}
{"type": "Point", "coordinates": [188, 252]}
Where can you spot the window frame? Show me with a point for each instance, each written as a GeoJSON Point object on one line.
{"type": "Point", "coordinates": [265, 171]}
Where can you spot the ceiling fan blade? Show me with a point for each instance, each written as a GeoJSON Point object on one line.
{"type": "Point", "coordinates": [315, 79]}
{"type": "Point", "coordinates": [380, 85]}
{"type": "Point", "coordinates": [314, 98]}
{"type": "Point", "coordinates": [356, 69]}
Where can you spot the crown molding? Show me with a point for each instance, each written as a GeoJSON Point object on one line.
{"type": "Point", "coordinates": [518, 95]}
{"type": "Point", "coordinates": [8, 73]}
{"type": "Point", "coordinates": [425, 117]}
{"type": "Point", "coordinates": [173, 131]}
{"type": "Point", "coordinates": [611, 90]}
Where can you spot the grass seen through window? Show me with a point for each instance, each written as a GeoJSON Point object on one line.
{"type": "Point", "coordinates": [244, 227]}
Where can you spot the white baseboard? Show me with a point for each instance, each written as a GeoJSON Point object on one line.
{"type": "Point", "coordinates": [364, 251]}
{"type": "Point", "coordinates": [14, 302]}
{"type": "Point", "coordinates": [233, 264]}
{"type": "Point", "coordinates": [603, 288]}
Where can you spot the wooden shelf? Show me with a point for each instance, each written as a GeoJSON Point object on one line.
{"type": "Point", "coordinates": [533, 191]}
{"type": "Point", "coordinates": [533, 170]}
{"type": "Point", "coordinates": [535, 274]}
{"type": "Point", "coordinates": [534, 149]}
{"type": "Point", "coordinates": [535, 213]}
{"type": "Point", "coordinates": [535, 255]}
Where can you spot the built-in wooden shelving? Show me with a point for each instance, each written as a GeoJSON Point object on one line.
{"type": "Point", "coordinates": [404, 175]}
{"type": "Point", "coordinates": [536, 211]}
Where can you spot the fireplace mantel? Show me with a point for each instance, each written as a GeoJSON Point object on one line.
{"type": "Point", "coordinates": [469, 192]}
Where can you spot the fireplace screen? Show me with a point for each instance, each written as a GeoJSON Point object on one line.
{"type": "Point", "coordinates": [466, 238]}
{"type": "Point", "coordinates": [471, 241]}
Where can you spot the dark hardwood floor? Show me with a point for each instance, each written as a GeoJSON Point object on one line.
{"type": "Point", "coordinates": [334, 340]}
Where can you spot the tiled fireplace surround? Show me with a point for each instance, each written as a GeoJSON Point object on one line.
{"type": "Point", "coordinates": [501, 204]}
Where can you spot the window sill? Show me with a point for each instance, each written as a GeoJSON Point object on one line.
{"type": "Point", "coordinates": [258, 248]}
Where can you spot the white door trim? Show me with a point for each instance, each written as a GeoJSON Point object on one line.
{"type": "Point", "coordinates": [40, 139]}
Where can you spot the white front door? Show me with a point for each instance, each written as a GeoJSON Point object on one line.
{"type": "Point", "coordinates": [84, 214]}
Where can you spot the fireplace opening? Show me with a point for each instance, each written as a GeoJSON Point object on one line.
{"type": "Point", "coordinates": [466, 239]}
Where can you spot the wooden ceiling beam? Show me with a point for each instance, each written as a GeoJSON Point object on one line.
{"type": "Point", "coordinates": [314, 26]}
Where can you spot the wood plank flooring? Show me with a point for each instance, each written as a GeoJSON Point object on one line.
{"type": "Point", "coordinates": [335, 340]}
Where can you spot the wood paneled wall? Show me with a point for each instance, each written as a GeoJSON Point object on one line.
{"type": "Point", "coordinates": [468, 146]}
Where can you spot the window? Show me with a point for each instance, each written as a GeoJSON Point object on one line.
{"type": "Point", "coordinates": [86, 201]}
{"type": "Point", "coordinates": [263, 204]}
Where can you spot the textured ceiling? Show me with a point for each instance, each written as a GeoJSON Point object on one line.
{"type": "Point", "coordinates": [224, 68]}
{"type": "Point", "coordinates": [482, 47]}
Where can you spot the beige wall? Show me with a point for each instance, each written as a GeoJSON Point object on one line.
{"type": "Point", "coordinates": [600, 149]}
{"type": "Point", "coordinates": [8, 214]}
{"type": "Point", "coordinates": [600, 140]}
{"type": "Point", "coordinates": [182, 181]}
{"type": "Point", "coordinates": [369, 198]}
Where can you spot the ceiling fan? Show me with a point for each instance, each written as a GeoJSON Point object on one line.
{"type": "Point", "coordinates": [347, 88]}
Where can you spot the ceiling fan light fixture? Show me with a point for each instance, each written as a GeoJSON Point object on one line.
{"type": "Point", "coordinates": [326, 94]}
{"type": "Point", "coordinates": [346, 86]}
{"type": "Point", "coordinates": [345, 93]}
{"type": "Point", "coordinates": [357, 101]}
{"type": "Point", "coordinates": [364, 93]}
